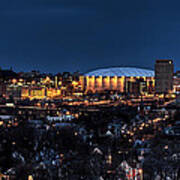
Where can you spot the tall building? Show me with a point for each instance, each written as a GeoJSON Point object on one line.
{"type": "Point", "coordinates": [164, 71]}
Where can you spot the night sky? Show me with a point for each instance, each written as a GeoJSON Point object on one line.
{"type": "Point", "coordinates": [70, 35]}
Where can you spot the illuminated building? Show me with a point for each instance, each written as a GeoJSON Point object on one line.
{"type": "Point", "coordinates": [37, 93]}
{"type": "Point", "coordinates": [25, 92]}
{"type": "Point", "coordinates": [120, 79]}
{"type": "Point", "coordinates": [164, 71]}
{"type": "Point", "coordinates": [13, 91]}
{"type": "Point", "coordinates": [5, 76]}
{"type": "Point", "coordinates": [176, 82]}
{"type": "Point", "coordinates": [52, 92]}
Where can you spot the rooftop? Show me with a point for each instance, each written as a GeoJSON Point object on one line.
{"type": "Point", "coordinates": [121, 71]}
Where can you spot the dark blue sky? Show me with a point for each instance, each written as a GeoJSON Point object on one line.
{"type": "Point", "coordinates": [70, 35]}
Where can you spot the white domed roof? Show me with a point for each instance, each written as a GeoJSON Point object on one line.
{"type": "Point", "coordinates": [121, 71]}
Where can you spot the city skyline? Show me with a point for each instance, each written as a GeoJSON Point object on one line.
{"type": "Point", "coordinates": [56, 36]}
{"type": "Point", "coordinates": [89, 89]}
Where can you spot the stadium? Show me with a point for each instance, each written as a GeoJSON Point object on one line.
{"type": "Point", "coordinates": [120, 79]}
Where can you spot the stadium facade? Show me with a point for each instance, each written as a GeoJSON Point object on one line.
{"type": "Point", "coordinates": [121, 79]}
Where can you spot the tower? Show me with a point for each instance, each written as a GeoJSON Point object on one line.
{"type": "Point", "coordinates": [164, 71]}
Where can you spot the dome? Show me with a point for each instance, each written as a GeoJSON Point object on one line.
{"type": "Point", "coordinates": [121, 71]}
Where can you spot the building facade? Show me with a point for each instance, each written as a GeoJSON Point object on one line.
{"type": "Point", "coordinates": [164, 72]}
{"type": "Point", "coordinates": [122, 80]}
{"type": "Point", "coordinates": [176, 82]}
